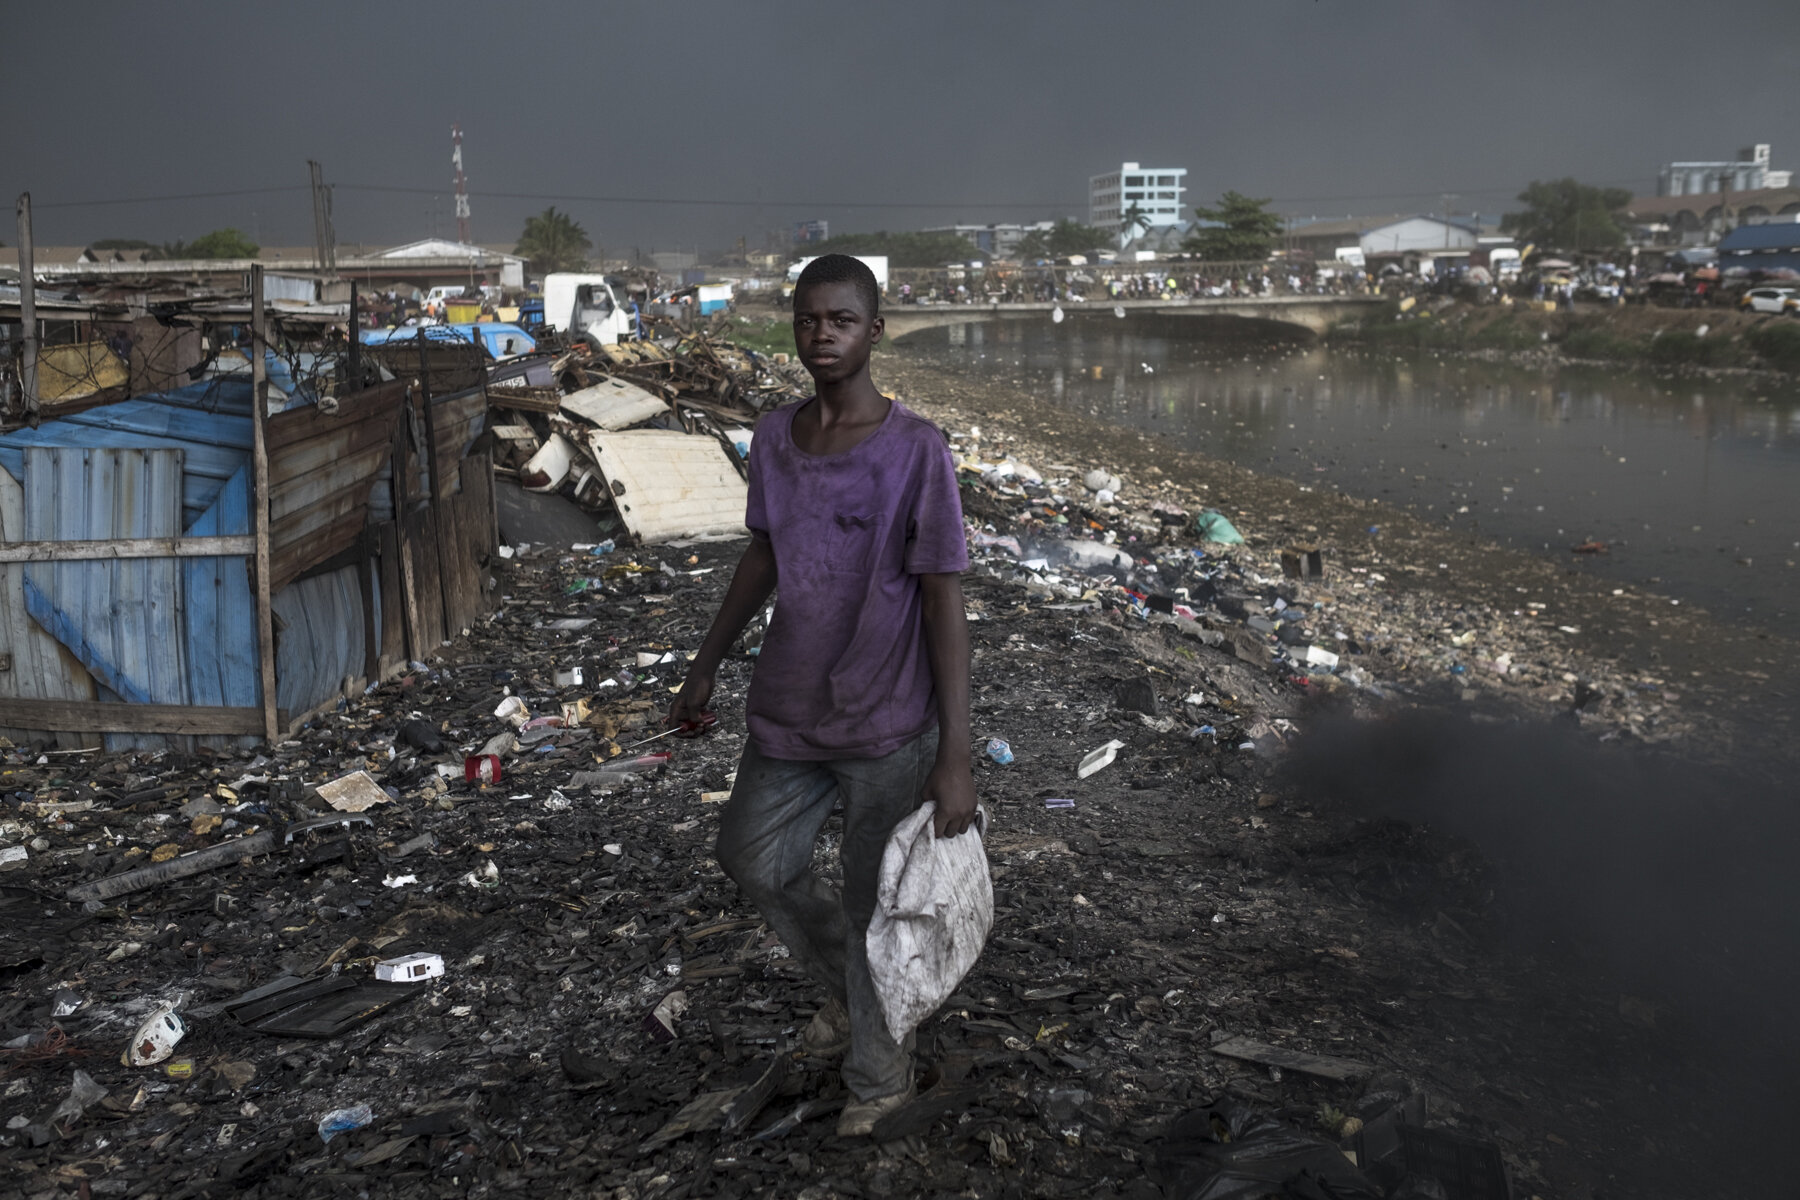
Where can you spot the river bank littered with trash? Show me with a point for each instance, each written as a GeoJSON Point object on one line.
{"type": "Point", "coordinates": [1191, 923]}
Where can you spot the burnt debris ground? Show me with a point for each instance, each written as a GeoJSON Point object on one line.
{"type": "Point", "coordinates": [1193, 923]}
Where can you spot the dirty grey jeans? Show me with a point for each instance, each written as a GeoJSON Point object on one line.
{"type": "Point", "coordinates": [766, 836]}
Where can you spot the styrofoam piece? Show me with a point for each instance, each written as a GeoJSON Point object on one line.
{"type": "Point", "coordinates": [1318, 656]}
{"type": "Point", "coordinates": [409, 968]}
{"type": "Point", "coordinates": [1099, 759]}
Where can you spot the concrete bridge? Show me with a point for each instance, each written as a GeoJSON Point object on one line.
{"type": "Point", "coordinates": [1312, 314]}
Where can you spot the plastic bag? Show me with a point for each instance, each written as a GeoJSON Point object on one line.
{"type": "Point", "coordinates": [934, 906]}
{"type": "Point", "coordinates": [1214, 527]}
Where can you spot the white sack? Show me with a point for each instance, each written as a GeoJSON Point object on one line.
{"type": "Point", "coordinates": [933, 910]}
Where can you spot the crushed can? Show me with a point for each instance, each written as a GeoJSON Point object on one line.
{"type": "Point", "coordinates": [482, 768]}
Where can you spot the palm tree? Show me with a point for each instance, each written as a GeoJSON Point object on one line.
{"type": "Point", "coordinates": [552, 241]}
{"type": "Point", "coordinates": [1134, 222]}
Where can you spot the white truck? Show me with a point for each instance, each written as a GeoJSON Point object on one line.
{"type": "Point", "coordinates": [584, 306]}
{"type": "Point", "coordinates": [877, 263]}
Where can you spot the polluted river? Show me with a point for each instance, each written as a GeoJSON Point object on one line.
{"type": "Point", "coordinates": [1689, 487]}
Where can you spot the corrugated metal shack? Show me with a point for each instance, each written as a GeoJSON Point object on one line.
{"type": "Point", "coordinates": [130, 605]}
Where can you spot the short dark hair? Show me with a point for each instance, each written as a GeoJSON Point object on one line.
{"type": "Point", "coordinates": [841, 268]}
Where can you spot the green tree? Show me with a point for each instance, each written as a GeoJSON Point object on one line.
{"type": "Point", "coordinates": [1567, 215]}
{"type": "Point", "coordinates": [220, 243]}
{"type": "Point", "coordinates": [1133, 222]}
{"type": "Point", "coordinates": [1062, 239]}
{"type": "Point", "coordinates": [901, 249]}
{"type": "Point", "coordinates": [553, 241]}
{"type": "Point", "coordinates": [1246, 230]}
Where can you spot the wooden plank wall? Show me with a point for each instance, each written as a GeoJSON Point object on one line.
{"type": "Point", "coordinates": [470, 539]}
{"type": "Point", "coordinates": [321, 469]}
{"type": "Point", "coordinates": [392, 655]}
{"type": "Point", "coordinates": [424, 604]}
{"type": "Point", "coordinates": [457, 420]}
{"type": "Point", "coordinates": [453, 367]}
{"type": "Point", "coordinates": [431, 564]}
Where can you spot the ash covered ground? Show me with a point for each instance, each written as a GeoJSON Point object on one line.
{"type": "Point", "coordinates": [1225, 878]}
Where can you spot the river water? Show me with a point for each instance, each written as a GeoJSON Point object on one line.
{"type": "Point", "coordinates": [1694, 486]}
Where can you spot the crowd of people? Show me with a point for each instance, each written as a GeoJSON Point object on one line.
{"type": "Point", "coordinates": [1079, 284]}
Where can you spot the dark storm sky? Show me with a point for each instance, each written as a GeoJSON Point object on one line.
{"type": "Point", "coordinates": [777, 112]}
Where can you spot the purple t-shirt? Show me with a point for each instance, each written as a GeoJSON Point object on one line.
{"type": "Point", "coordinates": [844, 671]}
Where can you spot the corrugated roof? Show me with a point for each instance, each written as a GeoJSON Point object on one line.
{"type": "Point", "coordinates": [208, 421]}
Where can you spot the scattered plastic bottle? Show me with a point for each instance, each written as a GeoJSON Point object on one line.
{"type": "Point", "coordinates": [999, 751]}
{"type": "Point", "coordinates": [637, 765]}
{"type": "Point", "coordinates": [602, 548]}
{"type": "Point", "coordinates": [343, 1120]}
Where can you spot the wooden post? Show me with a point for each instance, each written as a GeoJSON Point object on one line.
{"type": "Point", "coordinates": [353, 367]}
{"type": "Point", "coordinates": [409, 588]}
{"type": "Point", "coordinates": [365, 577]}
{"type": "Point", "coordinates": [439, 513]}
{"type": "Point", "coordinates": [28, 312]}
{"type": "Point", "coordinates": [259, 507]}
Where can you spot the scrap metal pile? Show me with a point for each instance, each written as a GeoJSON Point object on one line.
{"type": "Point", "coordinates": [602, 425]}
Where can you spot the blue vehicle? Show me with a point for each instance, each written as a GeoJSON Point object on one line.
{"type": "Point", "coordinates": [501, 341]}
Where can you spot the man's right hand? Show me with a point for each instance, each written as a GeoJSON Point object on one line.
{"type": "Point", "coordinates": [690, 703]}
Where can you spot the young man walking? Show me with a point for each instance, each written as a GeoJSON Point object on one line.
{"type": "Point", "coordinates": [861, 691]}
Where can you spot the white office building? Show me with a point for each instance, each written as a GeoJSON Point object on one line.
{"type": "Point", "coordinates": [1155, 191]}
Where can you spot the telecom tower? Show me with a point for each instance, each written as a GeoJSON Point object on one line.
{"type": "Point", "coordinates": [462, 189]}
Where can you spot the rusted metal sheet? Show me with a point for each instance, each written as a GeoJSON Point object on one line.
{"type": "Point", "coordinates": [82, 371]}
{"type": "Point", "coordinates": [670, 485]}
{"type": "Point", "coordinates": [614, 404]}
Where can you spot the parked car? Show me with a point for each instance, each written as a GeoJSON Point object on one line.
{"type": "Point", "coordinates": [1770, 299]}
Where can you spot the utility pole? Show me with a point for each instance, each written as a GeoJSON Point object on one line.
{"type": "Point", "coordinates": [462, 190]}
{"type": "Point", "coordinates": [260, 510]}
{"type": "Point", "coordinates": [324, 236]}
{"type": "Point", "coordinates": [28, 313]}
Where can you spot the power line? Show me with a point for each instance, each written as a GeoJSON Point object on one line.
{"type": "Point", "coordinates": [180, 196]}
{"type": "Point", "coordinates": [713, 202]}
